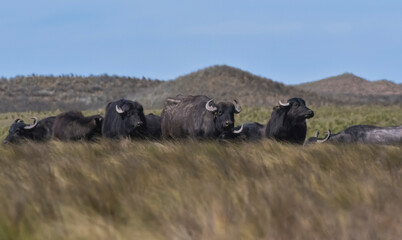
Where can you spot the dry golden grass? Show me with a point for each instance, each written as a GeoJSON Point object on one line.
{"type": "Point", "coordinates": [199, 190]}
{"type": "Point", "coordinates": [205, 190]}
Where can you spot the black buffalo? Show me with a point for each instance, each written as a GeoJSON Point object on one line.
{"type": "Point", "coordinates": [37, 131]}
{"type": "Point", "coordinates": [362, 134]}
{"type": "Point", "coordinates": [287, 123]}
{"type": "Point", "coordinates": [72, 125]}
{"type": "Point", "coordinates": [197, 117]}
{"type": "Point", "coordinates": [153, 130]}
{"type": "Point", "coordinates": [125, 118]}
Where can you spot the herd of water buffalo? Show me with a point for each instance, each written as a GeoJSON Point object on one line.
{"type": "Point", "coordinates": [196, 117]}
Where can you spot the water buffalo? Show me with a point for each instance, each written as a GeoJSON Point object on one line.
{"type": "Point", "coordinates": [362, 134]}
{"type": "Point", "coordinates": [37, 131]}
{"type": "Point", "coordinates": [125, 118]}
{"type": "Point", "coordinates": [72, 125]}
{"type": "Point", "coordinates": [287, 123]}
{"type": "Point", "coordinates": [197, 117]}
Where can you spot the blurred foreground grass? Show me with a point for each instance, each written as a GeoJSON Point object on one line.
{"type": "Point", "coordinates": [200, 190]}
{"type": "Point", "coordinates": [205, 190]}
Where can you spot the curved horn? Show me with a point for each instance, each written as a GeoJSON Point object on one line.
{"type": "Point", "coordinates": [237, 106]}
{"type": "Point", "coordinates": [209, 108]}
{"type": "Point", "coordinates": [119, 110]}
{"type": "Point", "coordinates": [238, 131]}
{"type": "Point", "coordinates": [317, 133]}
{"type": "Point", "coordinates": [283, 104]}
{"type": "Point", "coordinates": [17, 120]}
{"type": "Point", "coordinates": [33, 124]}
{"type": "Point", "coordinates": [326, 137]}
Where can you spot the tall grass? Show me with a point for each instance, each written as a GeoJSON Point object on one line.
{"type": "Point", "coordinates": [205, 190]}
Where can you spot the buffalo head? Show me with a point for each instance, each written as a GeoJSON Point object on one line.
{"type": "Point", "coordinates": [224, 114]}
{"type": "Point", "coordinates": [296, 109]}
{"type": "Point", "coordinates": [132, 113]}
{"type": "Point", "coordinates": [19, 130]}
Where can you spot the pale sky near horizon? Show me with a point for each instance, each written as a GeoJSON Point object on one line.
{"type": "Point", "coordinates": [288, 41]}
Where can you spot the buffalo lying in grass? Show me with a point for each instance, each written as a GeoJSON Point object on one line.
{"type": "Point", "coordinates": [362, 134]}
{"type": "Point", "coordinates": [287, 123]}
{"type": "Point", "coordinates": [198, 117]}
{"type": "Point", "coordinates": [37, 131]}
{"type": "Point", "coordinates": [125, 118]}
{"type": "Point", "coordinates": [73, 125]}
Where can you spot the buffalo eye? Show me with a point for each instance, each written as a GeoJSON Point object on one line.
{"type": "Point", "coordinates": [220, 112]}
{"type": "Point", "coordinates": [296, 104]}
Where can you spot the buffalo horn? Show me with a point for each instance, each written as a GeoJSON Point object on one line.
{"type": "Point", "coordinates": [172, 100]}
{"type": "Point", "coordinates": [283, 104]}
{"type": "Point", "coordinates": [238, 131]}
{"type": "Point", "coordinates": [119, 110]}
{"type": "Point", "coordinates": [237, 106]}
{"type": "Point", "coordinates": [210, 108]}
{"type": "Point", "coordinates": [326, 137]}
{"type": "Point", "coordinates": [33, 124]}
{"type": "Point", "coordinates": [317, 133]}
{"type": "Point", "coordinates": [17, 120]}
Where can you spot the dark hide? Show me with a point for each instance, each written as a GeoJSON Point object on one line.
{"type": "Point", "coordinates": [365, 134]}
{"type": "Point", "coordinates": [72, 125]}
{"type": "Point", "coordinates": [153, 130]}
{"type": "Point", "coordinates": [41, 132]}
{"type": "Point", "coordinates": [288, 123]}
{"type": "Point", "coordinates": [130, 123]}
{"type": "Point", "coordinates": [248, 132]}
{"type": "Point", "coordinates": [251, 131]}
{"type": "Point", "coordinates": [187, 116]}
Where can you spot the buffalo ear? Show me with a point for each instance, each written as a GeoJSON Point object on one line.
{"type": "Point", "coordinates": [98, 120]}
{"type": "Point", "coordinates": [276, 108]}
{"type": "Point", "coordinates": [237, 106]}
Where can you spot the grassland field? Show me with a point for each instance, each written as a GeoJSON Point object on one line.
{"type": "Point", "coordinates": [205, 190]}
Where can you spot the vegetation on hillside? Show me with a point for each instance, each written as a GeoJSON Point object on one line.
{"type": "Point", "coordinates": [45, 93]}
{"type": "Point", "coordinates": [223, 83]}
{"type": "Point", "coordinates": [350, 88]}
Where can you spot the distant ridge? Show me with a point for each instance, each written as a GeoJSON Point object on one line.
{"type": "Point", "coordinates": [349, 84]}
{"type": "Point", "coordinates": [221, 82]}
{"type": "Point", "coordinates": [355, 89]}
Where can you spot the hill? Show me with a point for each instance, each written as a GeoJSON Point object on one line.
{"type": "Point", "coordinates": [349, 87]}
{"type": "Point", "coordinates": [226, 83]}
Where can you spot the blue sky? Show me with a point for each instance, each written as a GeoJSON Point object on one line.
{"type": "Point", "coordinates": [289, 41]}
